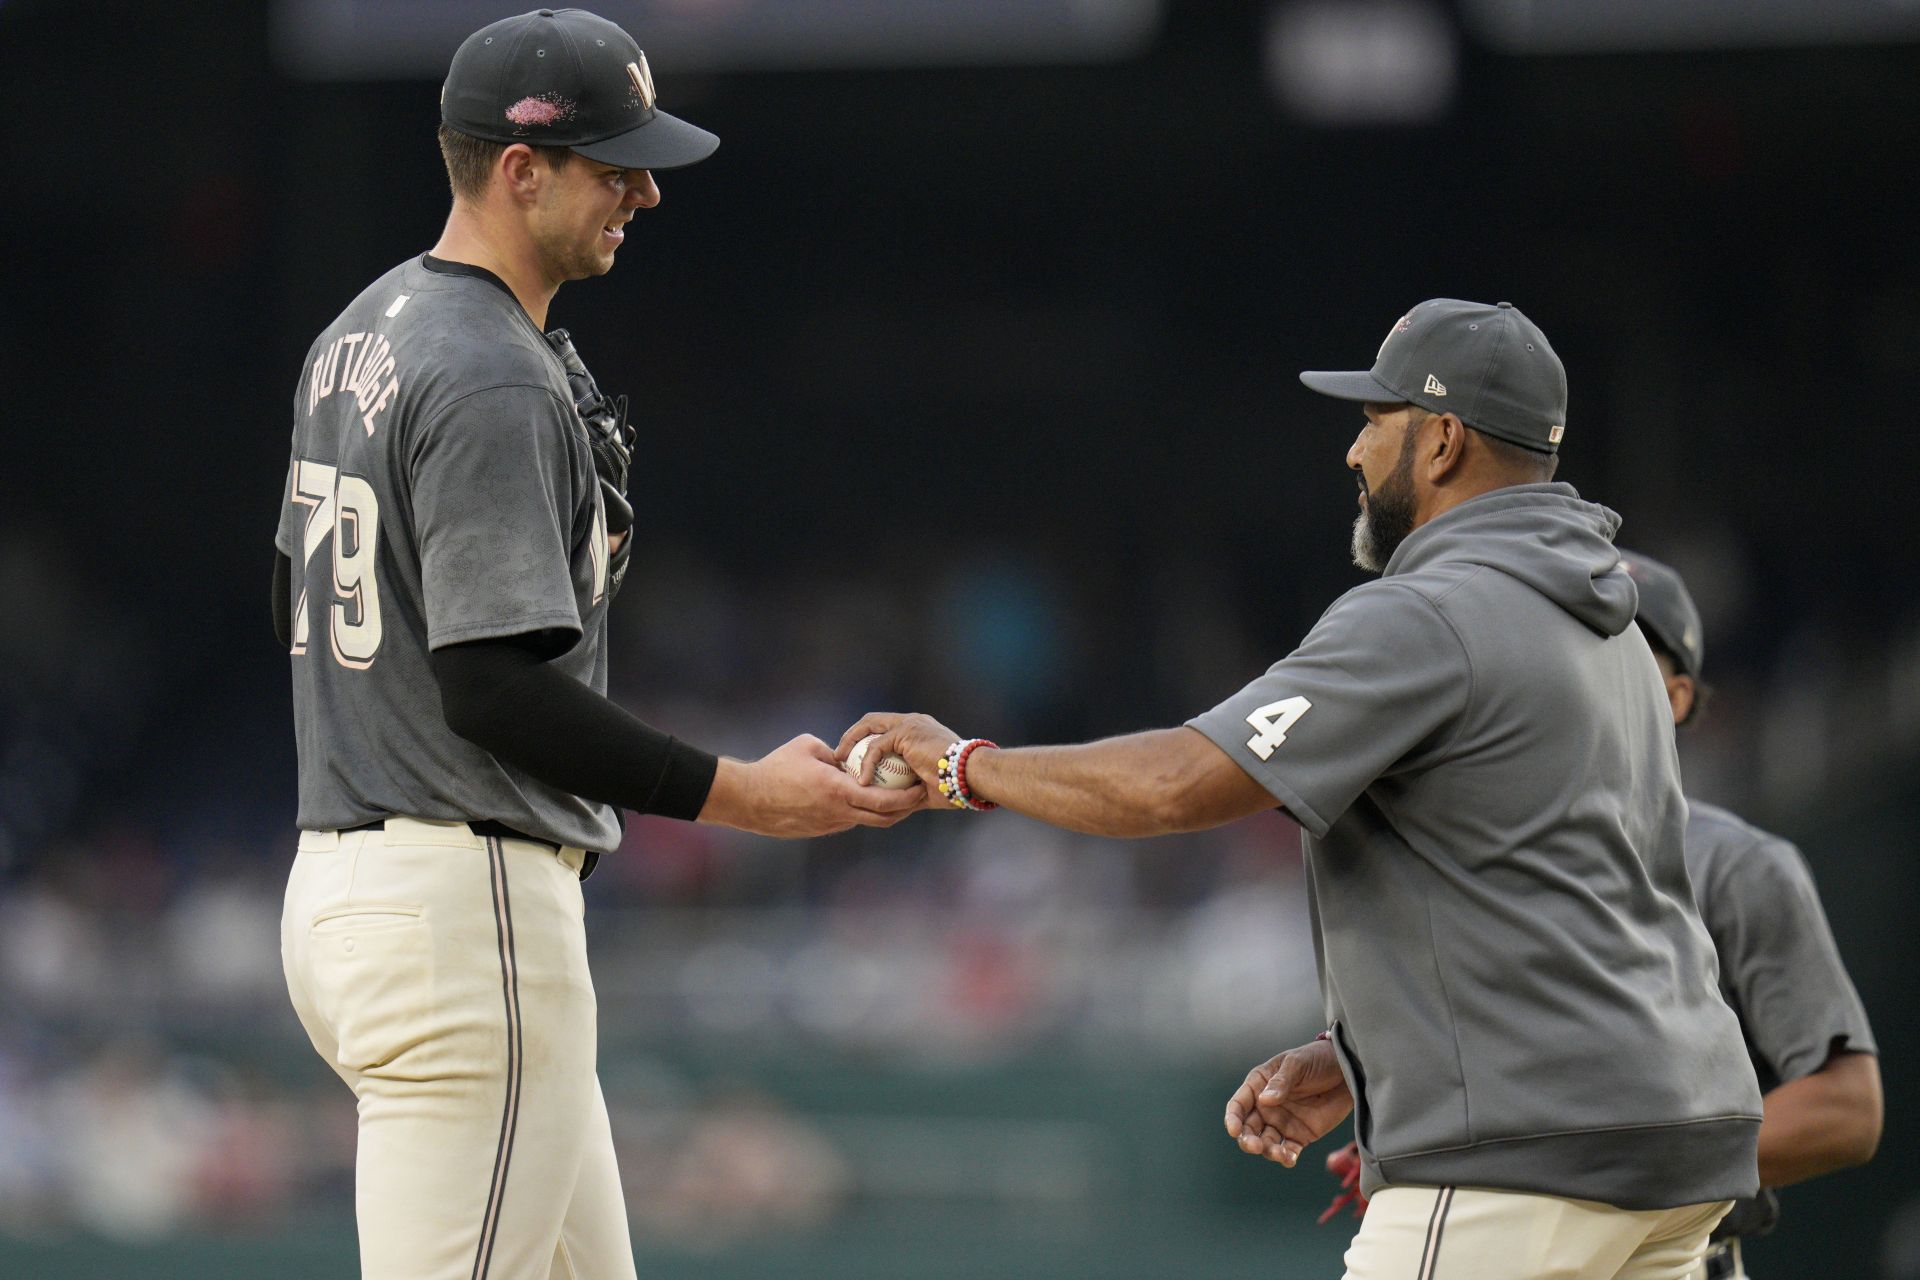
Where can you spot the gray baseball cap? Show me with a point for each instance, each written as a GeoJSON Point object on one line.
{"type": "Point", "coordinates": [1666, 612]}
{"type": "Point", "coordinates": [1489, 366]}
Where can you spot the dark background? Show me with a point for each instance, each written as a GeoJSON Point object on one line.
{"type": "Point", "coordinates": [925, 346]}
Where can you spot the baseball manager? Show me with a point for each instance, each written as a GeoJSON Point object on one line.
{"type": "Point", "coordinates": [1522, 1014]}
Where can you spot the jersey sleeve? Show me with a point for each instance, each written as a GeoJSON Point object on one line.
{"type": "Point", "coordinates": [1379, 675]}
{"type": "Point", "coordinates": [1778, 958]}
{"type": "Point", "coordinates": [491, 483]}
{"type": "Point", "coordinates": [287, 534]}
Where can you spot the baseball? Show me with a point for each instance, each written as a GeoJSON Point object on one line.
{"type": "Point", "coordinates": [893, 770]}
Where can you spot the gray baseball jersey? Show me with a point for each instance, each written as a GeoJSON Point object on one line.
{"type": "Point", "coordinates": [1779, 967]}
{"type": "Point", "coordinates": [441, 490]}
{"type": "Point", "coordinates": [1517, 982]}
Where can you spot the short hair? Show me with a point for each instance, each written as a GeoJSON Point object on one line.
{"type": "Point", "coordinates": [1519, 458]}
{"type": "Point", "coordinates": [470, 160]}
{"type": "Point", "coordinates": [1510, 456]}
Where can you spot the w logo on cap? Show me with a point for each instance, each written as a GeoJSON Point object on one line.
{"type": "Point", "coordinates": [640, 76]}
{"type": "Point", "coordinates": [1435, 387]}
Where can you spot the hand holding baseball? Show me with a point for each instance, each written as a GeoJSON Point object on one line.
{"type": "Point", "coordinates": [890, 770]}
{"type": "Point", "coordinates": [800, 790]}
{"type": "Point", "coordinates": [918, 740]}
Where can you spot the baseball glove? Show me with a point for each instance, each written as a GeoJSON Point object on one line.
{"type": "Point", "coordinates": [611, 438]}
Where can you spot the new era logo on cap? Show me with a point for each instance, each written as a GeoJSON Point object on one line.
{"type": "Point", "coordinates": [1435, 387]}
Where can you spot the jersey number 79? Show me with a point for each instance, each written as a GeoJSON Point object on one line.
{"type": "Point", "coordinates": [342, 510]}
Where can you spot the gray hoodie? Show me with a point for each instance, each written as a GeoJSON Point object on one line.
{"type": "Point", "coordinates": [1518, 984]}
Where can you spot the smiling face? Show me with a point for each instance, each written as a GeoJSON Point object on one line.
{"type": "Point", "coordinates": [1382, 461]}
{"type": "Point", "coordinates": [579, 218]}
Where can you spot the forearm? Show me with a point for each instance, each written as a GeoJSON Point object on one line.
{"type": "Point", "coordinates": [1826, 1121]}
{"type": "Point", "coordinates": [1143, 784]}
{"type": "Point", "coordinates": [521, 710]}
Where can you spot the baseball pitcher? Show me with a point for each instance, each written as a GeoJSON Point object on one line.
{"type": "Point", "coordinates": [453, 530]}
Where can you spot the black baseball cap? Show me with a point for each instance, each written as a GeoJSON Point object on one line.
{"type": "Point", "coordinates": [1489, 366]}
{"type": "Point", "coordinates": [1667, 613]}
{"type": "Point", "coordinates": [566, 78]}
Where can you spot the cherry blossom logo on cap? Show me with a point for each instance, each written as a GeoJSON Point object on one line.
{"type": "Point", "coordinates": [541, 109]}
{"type": "Point", "coordinates": [1405, 323]}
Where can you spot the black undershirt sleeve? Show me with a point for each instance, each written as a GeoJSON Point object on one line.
{"type": "Point", "coordinates": [282, 606]}
{"type": "Point", "coordinates": [509, 702]}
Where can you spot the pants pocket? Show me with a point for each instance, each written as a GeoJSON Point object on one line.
{"type": "Point", "coordinates": [373, 978]}
{"type": "Point", "coordinates": [365, 915]}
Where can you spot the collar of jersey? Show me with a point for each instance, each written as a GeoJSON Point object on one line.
{"type": "Point", "coordinates": [446, 268]}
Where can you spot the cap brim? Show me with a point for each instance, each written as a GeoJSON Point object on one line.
{"type": "Point", "coordinates": [664, 142]}
{"type": "Point", "coordinates": [1351, 386]}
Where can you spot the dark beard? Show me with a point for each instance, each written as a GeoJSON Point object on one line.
{"type": "Point", "coordinates": [1384, 523]}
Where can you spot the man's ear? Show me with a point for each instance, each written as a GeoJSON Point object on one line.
{"type": "Point", "coordinates": [1681, 693]}
{"type": "Point", "coordinates": [1443, 447]}
{"type": "Point", "coordinates": [521, 172]}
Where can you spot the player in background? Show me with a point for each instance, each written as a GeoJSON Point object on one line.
{"type": "Point", "coordinates": [1518, 988]}
{"type": "Point", "coordinates": [1805, 1028]}
{"type": "Point", "coordinates": [444, 571]}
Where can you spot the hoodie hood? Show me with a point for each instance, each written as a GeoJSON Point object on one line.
{"type": "Point", "coordinates": [1546, 536]}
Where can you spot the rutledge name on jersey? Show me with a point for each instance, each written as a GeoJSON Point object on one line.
{"type": "Point", "coordinates": [355, 365]}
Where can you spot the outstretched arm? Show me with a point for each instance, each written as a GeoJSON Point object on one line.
{"type": "Point", "coordinates": [1142, 784]}
{"type": "Point", "coordinates": [505, 698]}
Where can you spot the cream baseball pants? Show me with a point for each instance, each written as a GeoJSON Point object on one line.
{"type": "Point", "coordinates": [443, 975]}
{"type": "Point", "coordinates": [1461, 1233]}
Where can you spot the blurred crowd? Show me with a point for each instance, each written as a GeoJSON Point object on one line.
{"type": "Point", "coordinates": [152, 1076]}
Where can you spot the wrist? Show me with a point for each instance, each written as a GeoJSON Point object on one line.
{"type": "Point", "coordinates": [978, 771]}
{"type": "Point", "coordinates": [727, 797]}
{"type": "Point", "coordinates": [956, 784]}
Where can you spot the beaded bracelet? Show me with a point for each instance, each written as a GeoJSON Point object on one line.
{"type": "Point", "coordinates": [953, 776]}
